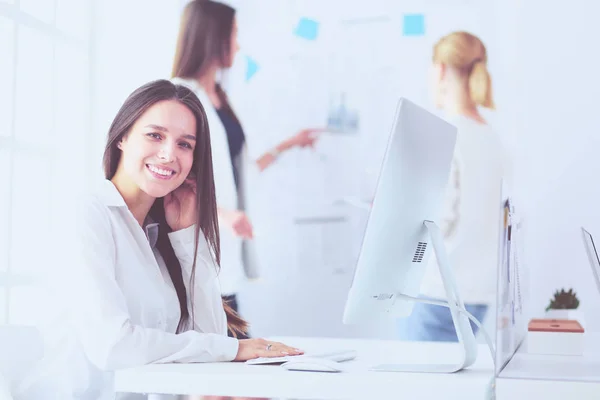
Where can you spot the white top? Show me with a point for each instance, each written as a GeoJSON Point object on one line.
{"type": "Point", "coordinates": [238, 262]}
{"type": "Point", "coordinates": [471, 217]}
{"type": "Point", "coordinates": [119, 308]}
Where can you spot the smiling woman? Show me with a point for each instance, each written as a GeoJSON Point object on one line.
{"type": "Point", "coordinates": [157, 157]}
{"type": "Point", "coordinates": [140, 283]}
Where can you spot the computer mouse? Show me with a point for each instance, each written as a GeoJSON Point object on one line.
{"type": "Point", "coordinates": [313, 364]}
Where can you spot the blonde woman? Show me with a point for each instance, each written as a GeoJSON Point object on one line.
{"type": "Point", "coordinates": [462, 84]}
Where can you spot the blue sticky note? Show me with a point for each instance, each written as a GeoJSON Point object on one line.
{"type": "Point", "coordinates": [413, 25]}
{"type": "Point", "coordinates": [251, 68]}
{"type": "Point", "coordinates": [307, 29]}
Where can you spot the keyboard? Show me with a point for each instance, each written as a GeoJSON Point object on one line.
{"type": "Point", "coordinates": [340, 355]}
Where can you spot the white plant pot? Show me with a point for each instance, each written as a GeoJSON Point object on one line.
{"type": "Point", "coordinates": [575, 314]}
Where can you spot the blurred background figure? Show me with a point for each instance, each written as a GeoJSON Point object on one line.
{"type": "Point", "coordinates": [461, 84]}
{"type": "Point", "coordinates": [206, 46]}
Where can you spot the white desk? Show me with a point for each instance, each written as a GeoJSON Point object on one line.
{"type": "Point", "coordinates": [552, 377]}
{"type": "Point", "coordinates": [239, 379]}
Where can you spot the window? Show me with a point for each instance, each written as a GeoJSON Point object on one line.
{"type": "Point", "coordinates": [44, 128]}
{"type": "Point", "coordinates": [7, 28]}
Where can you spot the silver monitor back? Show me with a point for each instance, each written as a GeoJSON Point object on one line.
{"type": "Point", "coordinates": [410, 190]}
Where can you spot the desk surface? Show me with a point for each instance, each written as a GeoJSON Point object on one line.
{"type": "Point", "coordinates": [553, 376]}
{"type": "Point", "coordinates": [239, 379]}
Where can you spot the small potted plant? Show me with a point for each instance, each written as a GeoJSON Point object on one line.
{"type": "Point", "coordinates": [564, 305]}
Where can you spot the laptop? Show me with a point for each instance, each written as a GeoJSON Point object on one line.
{"type": "Point", "coordinates": [592, 252]}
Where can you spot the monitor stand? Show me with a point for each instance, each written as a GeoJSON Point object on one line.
{"type": "Point", "coordinates": [464, 332]}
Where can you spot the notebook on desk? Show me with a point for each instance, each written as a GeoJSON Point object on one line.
{"type": "Point", "coordinates": [340, 355]}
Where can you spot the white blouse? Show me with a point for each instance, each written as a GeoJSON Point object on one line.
{"type": "Point", "coordinates": [472, 213]}
{"type": "Point", "coordinates": [239, 258]}
{"type": "Point", "coordinates": [119, 309]}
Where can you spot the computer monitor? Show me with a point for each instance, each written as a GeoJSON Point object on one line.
{"type": "Point", "coordinates": [401, 230]}
{"type": "Point", "coordinates": [592, 252]}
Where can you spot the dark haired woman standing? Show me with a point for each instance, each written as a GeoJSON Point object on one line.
{"type": "Point", "coordinates": [207, 44]}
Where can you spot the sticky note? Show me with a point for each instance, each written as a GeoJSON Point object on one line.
{"type": "Point", "coordinates": [307, 29]}
{"type": "Point", "coordinates": [251, 68]}
{"type": "Point", "coordinates": [413, 25]}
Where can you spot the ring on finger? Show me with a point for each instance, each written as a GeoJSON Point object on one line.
{"type": "Point", "coordinates": [269, 347]}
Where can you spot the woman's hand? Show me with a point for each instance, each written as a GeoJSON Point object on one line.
{"type": "Point", "coordinates": [254, 348]}
{"type": "Point", "coordinates": [238, 222]}
{"type": "Point", "coordinates": [180, 206]}
{"type": "Point", "coordinates": [305, 138]}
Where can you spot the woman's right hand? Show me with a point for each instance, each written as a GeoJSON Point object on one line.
{"type": "Point", "coordinates": [305, 138]}
{"type": "Point", "coordinates": [238, 222]}
{"type": "Point", "coordinates": [254, 348]}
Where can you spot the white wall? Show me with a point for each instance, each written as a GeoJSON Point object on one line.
{"type": "Point", "coordinates": [308, 268]}
{"type": "Point", "coordinates": [133, 43]}
{"type": "Point", "coordinates": [554, 102]}
{"type": "Point", "coordinates": [45, 118]}
{"type": "Point", "coordinates": [543, 71]}
{"type": "Point", "coordinates": [545, 89]}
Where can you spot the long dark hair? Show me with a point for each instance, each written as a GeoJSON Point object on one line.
{"type": "Point", "coordinates": [202, 168]}
{"type": "Point", "coordinates": [204, 39]}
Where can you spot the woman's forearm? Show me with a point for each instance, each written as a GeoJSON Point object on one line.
{"type": "Point", "coordinates": [269, 157]}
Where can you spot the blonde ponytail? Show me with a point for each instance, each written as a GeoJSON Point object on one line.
{"type": "Point", "coordinates": [466, 53]}
{"type": "Point", "coordinates": [480, 85]}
